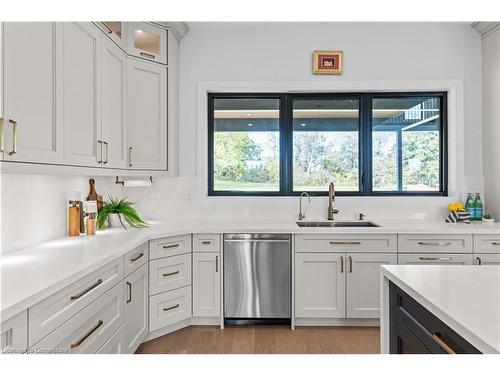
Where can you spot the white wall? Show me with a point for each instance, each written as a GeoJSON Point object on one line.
{"type": "Point", "coordinates": [34, 207]}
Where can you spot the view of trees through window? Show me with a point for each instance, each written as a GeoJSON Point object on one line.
{"type": "Point", "coordinates": [320, 138]}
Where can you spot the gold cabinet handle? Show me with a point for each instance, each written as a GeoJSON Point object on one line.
{"type": "Point", "coordinates": [148, 55]}
{"type": "Point", "coordinates": [100, 151]}
{"type": "Point", "coordinates": [496, 243]}
{"type": "Point", "coordinates": [345, 242]}
{"type": "Point", "coordinates": [341, 264]}
{"type": "Point", "coordinates": [170, 246]}
{"type": "Point", "coordinates": [206, 242]}
{"type": "Point", "coordinates": [14, 136]}
{"type": "Point", "coordinates": [83, 292]}
{"type": "Point", "coordinates": [107, 27]}
{"type": "Point", "coordinates": [80, 342]}
{"type": "Point", "coordinates": [438, 340]}
{"type": "Point", "coordinates": [1, 135]}
{"type": "Point", "coordinates": [129, 298]}
{"type": "Point", "coordinates": [171, 273]}
{"type": "Point", "coordinates": [216, 263]}
{"type": "Point", "coordinates": [137, 257]}
{"type": "Point", "coordinates": [171, 307]}
{"type": "Point", "coordinates": [350, 264]}
{"type": "Point", "coordinates": [434, 243]}
{"type": "Point", "coordinates": [130, 156]}
{"type": "Point", "coordinates": [106, 148]}
{"type": "Point", "coordinates": [479, 261]}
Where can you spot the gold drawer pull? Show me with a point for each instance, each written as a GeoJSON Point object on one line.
{"type": "Point", "coordinates": [341, 264]}
{"type": "Point", "coordinates": [171, 307]}
{"type": "Point", "coordinates": [206, 242]}
{"type": "Point", "coordinates": [83, 292]}
{"type": "Point", "coordinates": [479, 262]}
{"type": "Point", "coordinates": [496, 243]}
{"type": "Point", "coordinates": [434, 243]}
{"type": "Point", "coordinates": [106, 148]}
{"type": "Point", "coordinates": [137, 257]}
{"type": "Point", "coordinates": [79, 342]}
{"type": "Point", "coordinates": [130, 151]}
{"type": "Point", "coordinates": [434, 258]}
{"type": "Point", "coordinates": [14, 136]}
{"type": "Point", "coordinates": [438, 340]}
{"type": "Point", "coordinates": [148, 55]}
{"type": "Point", "coordinates": [171, 273]}
{"type": "Point", "coordinates": [1, 134]}
{"type": "Point", "coordinates": [345, 242]}
{"type": "Point", "coordinates": [171, 246]}
{"type": "Point", "coordinates": [350, 264]}
{"type": "Point", "coordinates": [216, 263]}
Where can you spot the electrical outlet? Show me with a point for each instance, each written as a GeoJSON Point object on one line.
{"type": "Point", "coordinates": [188, 196]}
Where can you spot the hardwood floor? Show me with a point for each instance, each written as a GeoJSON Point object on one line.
{"type": "Point", "coordinates": [266, 340]}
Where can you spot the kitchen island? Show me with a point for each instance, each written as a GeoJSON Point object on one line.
{"type": "Point", "coordinates": [440, 309]}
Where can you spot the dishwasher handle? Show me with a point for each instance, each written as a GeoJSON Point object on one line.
{"type": "Point", "coordinates": [265, 237]}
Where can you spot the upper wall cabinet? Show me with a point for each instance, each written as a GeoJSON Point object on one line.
{"type": "Point", "coordinates": [147, 42]}
{"type": "Point", "coordinates": [113, 107]}
{"type": "Point", "coordinates": [81, 88]}
{"type": "Point", "coordinates": [147, 115]}
{"type": "Point", "coordinates": [115, 30]}
{"type": "Point", "coordinates": [32, 129]}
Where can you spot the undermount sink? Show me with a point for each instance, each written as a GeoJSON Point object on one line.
{"type": "Point", "coordinates": [338, 224]}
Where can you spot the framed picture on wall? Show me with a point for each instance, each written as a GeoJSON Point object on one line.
{"type": "Point", "coordinates": [327, 62]}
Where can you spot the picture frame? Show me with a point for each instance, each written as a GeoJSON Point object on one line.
{"type": "Point", "coordinates": [328, 62]}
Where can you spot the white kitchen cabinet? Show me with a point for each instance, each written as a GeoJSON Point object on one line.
{"type": "Point", "coordinates": [435, 243]}
{"type": "Point", "coordinates": [147, 115]}
{"type": "Point", "coordinates": [81, 94]}
{"type": "Point", "coordinates": [147, 41]}
{"type": "Point", "coordinates": [319, 285]}
{"type": "Point", "coordinates": [33, 130]}
{"type": "Point", "coordinates": [14, 334]}
{"type": "Point", "coordinates": [113, 107]}
{"type": "Point", "coordinates": [206, 284]}
{"type": "Point", "coordinates": [116, 31]}
{"type": "Point", "coordinates": [136, 308]}
{"type": "Point", "coordinates": [484, 243]}
{"type": "Point", "coordinates": [363, 283]}
{"type": "Point", "coordinates": [487, 259]}
{"type": "Point", "coordinates": [433, 258]}
{"type": "Point", "coordinates": [116, 344]}
{"type": "Point", "coordinates": [169, 308]}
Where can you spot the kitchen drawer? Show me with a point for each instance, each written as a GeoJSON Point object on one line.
{"type": "Point", "coordinates": [167, 247]}
{"type": "Point", "coordinates": [206, 242]}
{"type": "Point", "coordinates": [487, 259]}
{"type": "Point", "coordinates": [433, 333]}
{"type": "Point", "coordinates": [14, 334]}
{"type": "Point", "coordinates": [434, 243]}
{"type": "Point", "coordinates": [88, 330]}
{"type": "Point", "coordinates": [169, 307]}
{"type": "Point", "coordinates": [135, 258]}
{"type": "Point", "coordinates": [50, 313]}
{"type": "Point", "coordinates": [169, 273]}
{"type": "Point", "coordinates": [433, 258]}
{"type": "Point", "coordinates": [345, 243]}
{"type": "Point", "coordinates": [487, 243]}
{"type": "Point", "coordinates": [116, 344]}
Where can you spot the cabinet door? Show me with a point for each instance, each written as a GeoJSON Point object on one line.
{"type": "Point", "coordinates": [147, 41]}
{"type": "Point", "coordinates": [115, 30]}
{"type": "Point", "coordinates": [81, 55]}
{"type": "Point", "coordinates": [14, 334]}
{"type": "Point", "coordinates": [486, 259]}
{"type": "Point", "coordinates": [147, 111]}
{"type": "Point", "coordinates": [363, 283]}
{"type": "Point", "coordinates": [136, 308]}
{"type": "Point", "coordinates": [206, 284]}
{"type": "Point", "coordinates": [113, 107]}
{"type": "Point", "coordinates": [319, 285]}
{"type": "Point", "coordinates": [30, 94]}
{"type": "Point", "coordinates": [435, 259]}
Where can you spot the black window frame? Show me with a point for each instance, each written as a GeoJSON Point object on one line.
{"type": "Point", "coordinates": [364, 142]}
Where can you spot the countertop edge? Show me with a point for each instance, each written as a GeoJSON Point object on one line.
{"type": "Point", "coordinates": [442, 315]}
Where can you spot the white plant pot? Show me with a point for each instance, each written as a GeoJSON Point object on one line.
{"type": "Point", "coordinates": [114, 221]}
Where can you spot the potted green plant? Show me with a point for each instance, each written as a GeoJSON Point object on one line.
{"type": "Point", "coordinates": [115, 211]}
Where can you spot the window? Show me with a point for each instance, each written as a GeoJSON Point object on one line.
{"type": "Point", "coordinates": [366, 143]}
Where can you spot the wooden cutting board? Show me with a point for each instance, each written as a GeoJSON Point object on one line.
{"type": "Point", "coordinates": [93, 196]}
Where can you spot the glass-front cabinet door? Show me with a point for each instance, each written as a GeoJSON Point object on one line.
{"type": "Point", "coordinates": [116, 30]}
{"type": "Point", "coordinates": [147, 42]}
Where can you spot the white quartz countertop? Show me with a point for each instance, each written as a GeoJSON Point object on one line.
{"type": "Point", "coordinates": [466, 298]}
{"type": "Point", "coordinates": [32, 274]}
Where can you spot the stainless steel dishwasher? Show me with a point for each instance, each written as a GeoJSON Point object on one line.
{"type": "Point", "coordinates": [257, 278]}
